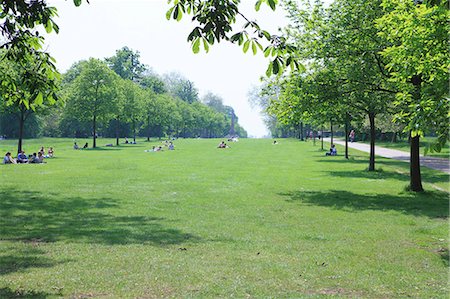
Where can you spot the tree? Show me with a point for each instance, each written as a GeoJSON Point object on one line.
{"type": "Point", "coordinates": [93, 94]}
{"type": "Point", "coordinates": [158, 109]}
{"type": "Point", "coordinates": [181, 87]}
{"type": "Point", "coordinates": [342, 48]}
{"type": "Point", "coordinates": [418, 62]}
{"type": "Point", "coordinates": [126, 64]}
{"type": "Point", "coordinates": [133, 106]}
{"type": "Point", "coordinates": [27, 86]}
{"type": "Point", "coordinates": [153, 82]}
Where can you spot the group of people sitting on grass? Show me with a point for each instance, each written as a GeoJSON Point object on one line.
{"type": "Point", "coordinates": [129, 142]}
{"type": "Point", "coordinates": [168, 144]}
{"type": "Point", "coordinates": [75, 146]}
{"type": "Point", "coordinates": [22, 158]}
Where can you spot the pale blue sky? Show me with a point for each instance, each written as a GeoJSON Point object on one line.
{"type": "Point", "coordinates": [100, 28]}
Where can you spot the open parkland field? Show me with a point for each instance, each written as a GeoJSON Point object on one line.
{"type": "Point", "coordinates": [256, 220]}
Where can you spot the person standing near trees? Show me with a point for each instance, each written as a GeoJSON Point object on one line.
{"type": "Point", "coordinates": [352, 135]}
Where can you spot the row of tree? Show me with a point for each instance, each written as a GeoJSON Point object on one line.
{"type": "Point", "coordinates": [366, 60]}
{"type": "Point", "coordinates": [116, 97]}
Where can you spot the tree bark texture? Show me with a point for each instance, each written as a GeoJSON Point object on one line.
{"type": "Point", "coordinates": [414, 164]}
{"type": "Point", "coordinates": [21, 125]}
{"type": "Point", "coordinates": [94, 129]}
{"type": "Point", "coordinates": [372, 141]}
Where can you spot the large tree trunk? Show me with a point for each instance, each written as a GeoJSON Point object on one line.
{"type": "Point", "coordinates": [134, 131]}
{"type": "Point", "coordinates": [94, 129]}
{"type": "Point", "coordinates": [414, 164]}
{"type": "Point", "coordinates": [346, 138]}
{"type": "Point", "coordinates": [331, 129]}
{"type": "Point", "coordinates": [148, 128]}
{"type": "Point", "coordinates": [321, 139]}
{"type": "Point", "coordinates": [301, 131]}
{"type": "Point", "coordinates": [21, 125]}
{"type": "Point", "coordinates": [372, 141]}
{"type": "Point", "coordinates": [117, 130]}
{"type": "Point", "coordinates": [415, 177]}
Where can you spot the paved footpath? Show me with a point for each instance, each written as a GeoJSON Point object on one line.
{"type": "Point", "coordinates": [430, 162]}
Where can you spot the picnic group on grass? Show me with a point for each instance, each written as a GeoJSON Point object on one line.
{"type": "Point", "coordinates": [168, 144]}
{"type": "Point", "coordinates": [22, 158]}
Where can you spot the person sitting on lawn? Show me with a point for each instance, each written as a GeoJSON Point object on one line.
{"type": "Point", "coordinates": [22, 158]}
{"type": "Point", "coordinates": [40, 157]}
{"type": "Point", "coordinates": [332, 152]}
{"type": "Point", "coordinates": [75, 146]}
{"type": "Point", "coordinates": [8, 159]}
{"type": "Point", "coordinates": [50, 152]}
{"type": "Point", "coordinates": [85, 145]}
{"type": "Point", "coordinates": [42, 150]}
{"type": "Point", "coordinates": [34, 158]}
{"type": "Point", "coordinates": [222, 145]}
{"type": "Point", "coordinates": [171, 146]}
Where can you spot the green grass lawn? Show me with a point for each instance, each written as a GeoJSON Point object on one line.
{"type": "Point", "coordinates": [253, 221]}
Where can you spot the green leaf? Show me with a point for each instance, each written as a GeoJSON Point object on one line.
{"type": "Point", "coordinates": [175, 13]}
{"type": "Point", "coordinates": [259, 45]}
{"type": "Point", "coordinates": [235, 37]}
{"type": "Point", "coordinates": [196, 45]}
{"type": "Point", "coordinates": [48, 26]}
{"type": "Point", "coordinates": [169, 13]}
{"type": "Point", "coordinates": [275, 66]}
{"type": "Point", "coordinates": [254, 48]}
{"type": "Point", "coordinates": [258, 5]}
{"type": "Point", "coordinates": [246, 46]}
{"type": "Point", "coordinates": [205, 45]}
{"type": "Point", "coordinates": [269, 70]}
{"type": "Point", "coordinates": [266, 34]}
{"type": "Point", "coordinates": [39, 99]}
{"type": "Point", "coordinates": [77, 2]}
{"type": "Point", "coordinates": [267, 51]}
{"type": "Point", "coordinates": [180, 14]}
{"type": "Point", "coordinates": [272, 4]}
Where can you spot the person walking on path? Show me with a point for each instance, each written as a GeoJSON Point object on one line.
{"type": "Point", "coordinates": [352, 136]}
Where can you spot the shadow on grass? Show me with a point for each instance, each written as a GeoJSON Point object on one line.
{"type": "Point", "coordinates": [102, 148]}
{"type": "Point", "coordinates": [19, 259]}
{"type": "Point", "coordinates": [374, 175]}
{"type": "Point", "coordinates": [431, 204]}
{"type": "Point", "coordinates": [33, 217]}
{"type": "Point", "coordinates": [7, 293]}
{"type": "Point", "coordinates": [428, 175]}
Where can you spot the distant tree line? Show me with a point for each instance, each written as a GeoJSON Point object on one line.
{"type": "Point", "coordinates": [116, 97]}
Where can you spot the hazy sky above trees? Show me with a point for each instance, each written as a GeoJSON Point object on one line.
{"type": "Point", "coordinates": [100, 28]}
